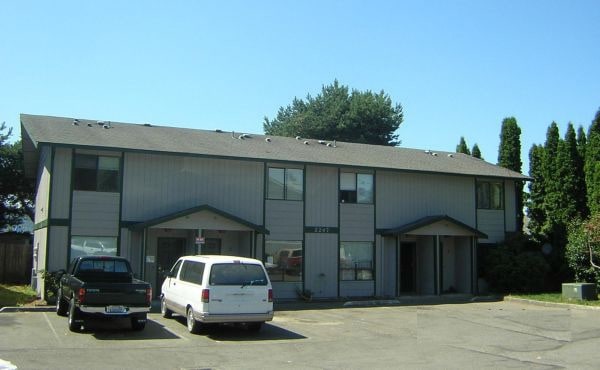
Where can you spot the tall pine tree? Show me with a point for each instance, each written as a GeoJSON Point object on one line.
{"type": "Point", "coordinates": [475, 152]}
{"type": "Point", "coordinates": [462, 146]}
{"type": "Point", "coordinates": [509, 156]}
{"type": "Point", "coordinates": [535, 204]}
{"type": "Point", "coordinates": [592, 165]}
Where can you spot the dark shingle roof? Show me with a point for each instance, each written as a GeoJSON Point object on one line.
{"type": "Point", "coordinates": [161, 139]}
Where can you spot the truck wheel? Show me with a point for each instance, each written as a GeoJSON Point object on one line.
{"type": "Point", "coordinates": [193, 325]}
{"type": "Point", "coordinates": [164, 311]}
{"type": "Point", "coordinates": [61, 306]}
{"type": "Point", "coordinates": [138, 323]}
{"type": "Point", "coordinates": [75, 321]}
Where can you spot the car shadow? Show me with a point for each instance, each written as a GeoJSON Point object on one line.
{"type": "Point", "coordinates": [121, 330]}
{"type": "Point", "coordinates": [238, 333]}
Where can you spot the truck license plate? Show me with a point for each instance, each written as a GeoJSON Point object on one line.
{"type": "Point", "coordinates": [116, 309]}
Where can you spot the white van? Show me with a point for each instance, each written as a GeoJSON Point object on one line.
{"type": "Point", "coordinates": [218, 289]}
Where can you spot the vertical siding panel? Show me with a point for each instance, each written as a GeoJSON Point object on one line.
{"type": "Point", "coordinates": [357, 222]}
{"type": "Point", "coordinates": [175, 183]}
{"type": "Point", "coordinates": [43, 185]}
{"type": "Point", "coordinates": [405, 197]}
{"type": "Point", "coordinates": [321, 266]}
{"type": "Point", "coordinates": [61, 183]}
{"type": "Point", "coordinates": [59, 242]}
{"type": "Point", "coordinates": [284, 220]}
{"type": "Point", "coordinates": [321, 196]}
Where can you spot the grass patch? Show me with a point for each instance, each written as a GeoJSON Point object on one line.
{"type": "Point", "coordinates": [16, 295]}
{"type": "Point", "coordinates": [555, 298]}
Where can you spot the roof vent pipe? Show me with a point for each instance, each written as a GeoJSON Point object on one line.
{"type": "Point", "coordinates": [335, 146]}
{"type": "Point", "coordinates": [268, 140]}
{"type": "Point", "coordinates": [306, 142]}
{"type": "Point", "coordinates": [298, 138]}
{"type": "Point", "coordinates": [75, 122]}
{"type": "Point", "coordinates": [233, 134]}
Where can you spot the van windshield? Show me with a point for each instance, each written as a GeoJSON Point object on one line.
{"type": "Point", "coordinates": [237, 274]}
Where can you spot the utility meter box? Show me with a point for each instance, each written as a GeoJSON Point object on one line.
{"type": "Point", "coordinates": [580, 291]}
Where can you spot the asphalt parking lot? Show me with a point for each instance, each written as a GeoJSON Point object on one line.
{"type": "Point", "coordinates": [473, 335]}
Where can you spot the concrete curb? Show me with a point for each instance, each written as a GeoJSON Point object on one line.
{"type": "Point", "coordinates": [28, 309]}
{"type": "Point", "coordinates": [552, 304]}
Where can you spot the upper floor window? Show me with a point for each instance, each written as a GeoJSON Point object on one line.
{"type": "Point", "coordinates": [490, 195]}
{"type": "Point", "coordinates": [356, 187]}
{"type": "Point", "coordinates": [96, 173]}
{"type": "Point", "coordinates": [285, 183]}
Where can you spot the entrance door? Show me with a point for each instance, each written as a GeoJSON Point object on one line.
{"type": "Point", "coordinates": [211, 246]}
{"type": "Point", "coordinates": [167, 252]}
{"type": "Point", "coordinates": [408, 271]}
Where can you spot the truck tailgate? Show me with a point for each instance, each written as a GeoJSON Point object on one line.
{"type": "Point", "coordinates": [125, 294]}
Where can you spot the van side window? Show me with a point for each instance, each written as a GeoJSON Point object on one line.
{"type": "Point", "coordinates": [192, 272]}
{"type": "Point", "coordinates": [175, 268]}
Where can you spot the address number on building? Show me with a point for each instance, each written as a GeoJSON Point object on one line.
{"type": "Point", "coordinates": [321, 230]}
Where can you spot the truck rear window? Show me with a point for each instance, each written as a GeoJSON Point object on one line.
{"type": "Point", "coordinates": [103, 266]}
{"type": "Point", "coordinates": [237, 274]}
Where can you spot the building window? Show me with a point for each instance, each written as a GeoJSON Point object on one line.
{"type": "Point", "coordinates": [356, 261]}
{"type": "Point", "coordinates": [356, 188]}
{"type": "Point", "coordinates": [490, 195]}
{"type": "Point", "coordinates": [285, 183]}
{"type": "Point", "coordinates": [96, 173]}
{"type": "Point", "coordinates": [283, 260]}
{"type": "Point", "coordinates": [93, 246]}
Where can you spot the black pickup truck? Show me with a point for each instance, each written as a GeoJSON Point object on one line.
{"type": "Point", "coordinates": [102, 286]}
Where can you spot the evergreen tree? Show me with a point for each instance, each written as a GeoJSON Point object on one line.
{"type": "Point", "coordinates": [16, 191]}
{"type": "Point", "coordinates": [462, 146]}
{"type": "Point", "coordinates": [592, 166]}
{"type": "Point", "coordinates": [581, 142]}
{"type": "Point", "coordinates": [509, 156]}
{"type": "Point", "coordinates": [336, 113]}
{"type": "Point", "coordinates": [475, 152]}
{"type": "Point", "coordinates": [551, 184]}
{"type": "Point", "coordinates": [535, 204]}
{"type": "Point", "coordinates": [574, 147]}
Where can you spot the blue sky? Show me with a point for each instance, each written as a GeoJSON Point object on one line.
{"type": "Point", "coordinates": [457, 67]}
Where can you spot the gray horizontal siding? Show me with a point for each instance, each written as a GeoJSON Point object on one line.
{"type": "Point", "coordinates": [95, 213]}
{"type": "Point", "coordinates": [406, 197]}
{"type": "Point", "coordinates": [175, 183]}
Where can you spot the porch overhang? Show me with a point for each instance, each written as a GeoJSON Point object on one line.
{"type": "Point", "coordinates": [205, 208]}
{"type": "Point", "coordinates": [439, 224]}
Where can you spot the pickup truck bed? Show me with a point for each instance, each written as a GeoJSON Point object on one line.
{"type": "Point", "coordinates": [102, 286]}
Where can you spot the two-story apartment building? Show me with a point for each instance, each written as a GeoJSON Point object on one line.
{"type": "Point", "coordinates": [339, 219]}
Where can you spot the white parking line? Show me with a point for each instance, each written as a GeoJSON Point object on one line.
{"type": "Point", "coordinates": [52, 328]}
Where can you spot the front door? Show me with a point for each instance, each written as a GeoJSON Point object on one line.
{"type": "Point", "coordinates": [408, 271]}
{"type": "Point", "coordinates": [211, 246]}
{"type": "Point", "coordinates": [168, 251]}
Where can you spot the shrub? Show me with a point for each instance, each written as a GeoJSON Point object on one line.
{"type": "Point", "coordinates": [578, 254]}
{"type": "Point", "coordinates": [517, 265]}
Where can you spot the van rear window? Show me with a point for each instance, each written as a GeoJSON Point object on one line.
{"type": "Point", "coordinates": [237, 274]}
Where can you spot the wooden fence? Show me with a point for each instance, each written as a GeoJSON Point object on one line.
{"type": "Point", "coordinates": [16, 259]}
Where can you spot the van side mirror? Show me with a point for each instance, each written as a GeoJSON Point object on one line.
{"type": "Point", "coordinates": [167, 274]}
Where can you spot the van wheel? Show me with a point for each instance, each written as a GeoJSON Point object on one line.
{"type": "Point", "coordinates": [193, 325]}
{"type": "Point", "coordinates": [254, 326]}
{"type": "Point", "coordinates": [138, 323]}
{"type": "Point", "coordinates": [61, 306]}
{"type": "Point", "coordinates": [75, 321]}
{"type": "Point", "coordinates": [164, 311]}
